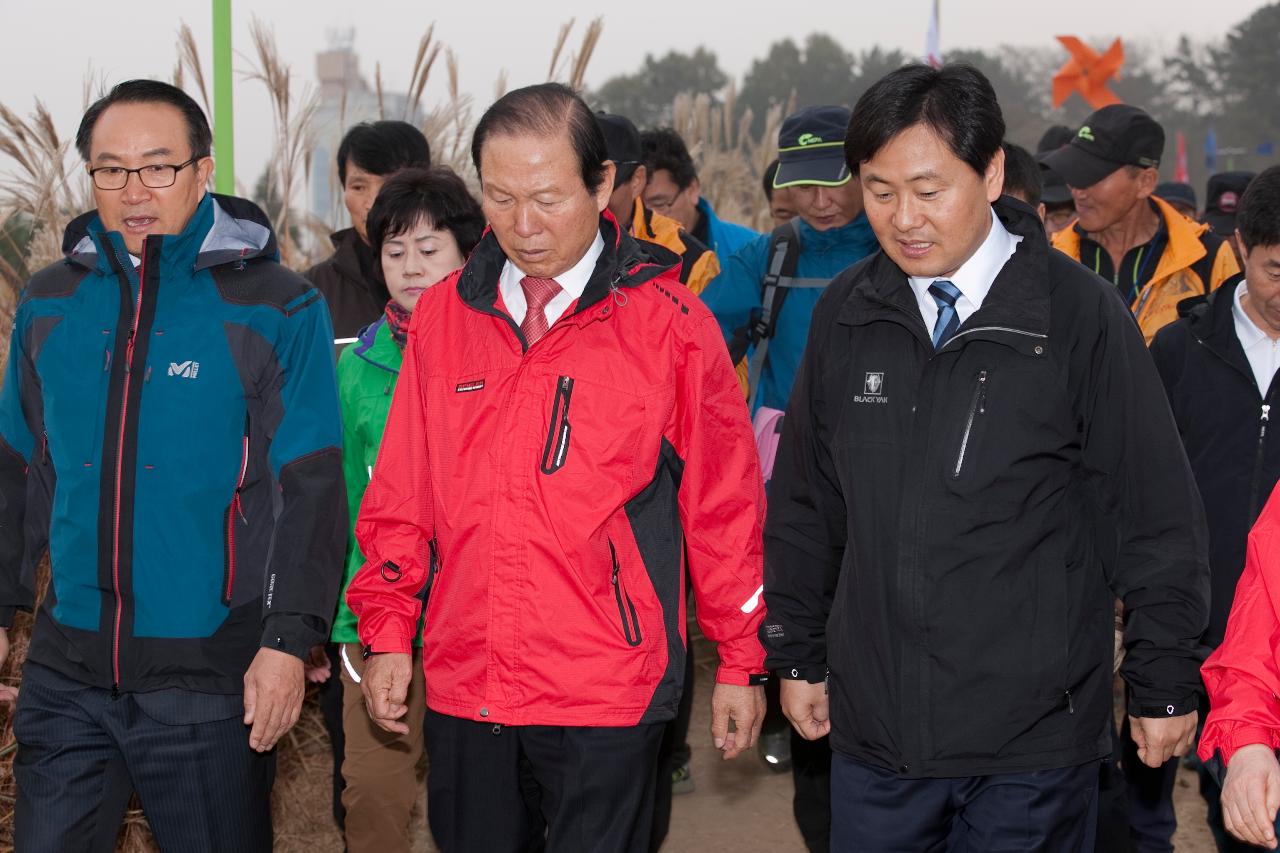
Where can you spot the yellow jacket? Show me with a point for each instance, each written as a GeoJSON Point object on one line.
{"type": "Point", "coordinates": [1194, 262]}
{"type": "Point", "coordinates": [698, 263]}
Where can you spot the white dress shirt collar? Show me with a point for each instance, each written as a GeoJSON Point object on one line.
{"type": "Point", "coordinates": [572, 283]}
{"type": "Point", "coordinates": [1262, 352]}
{"type": "Point", "coordinates": [975, 276]}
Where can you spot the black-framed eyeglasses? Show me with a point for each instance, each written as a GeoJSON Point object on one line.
{"type": "Point", "coordinates": [156, 177]}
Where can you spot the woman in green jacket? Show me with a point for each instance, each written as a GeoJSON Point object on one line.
{"type": "Point", "coordinates": [422, 226]}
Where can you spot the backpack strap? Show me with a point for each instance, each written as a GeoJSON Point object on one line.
{"type": "Point", "coordinates": [779, 277]}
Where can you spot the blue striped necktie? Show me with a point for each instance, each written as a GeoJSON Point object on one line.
{"type": "Point", "coordinates": [945, 294]}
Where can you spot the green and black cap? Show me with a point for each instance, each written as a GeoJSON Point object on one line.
{"type": "Point", "coordinates": [811, 148]}
{"type": "Point", "coordinates": [1113, 137]}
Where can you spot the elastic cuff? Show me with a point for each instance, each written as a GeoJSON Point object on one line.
{"type": "Point", "coordinates": [1172, 708]}
{"type": "Point", "coordinates": [726, 675]}
{"type": "Point", "coordinates": [289, 635]}
{"type": "Point", "coordinates": [812, 674]}
{"type": "Point", "coordinates": [389, 644]}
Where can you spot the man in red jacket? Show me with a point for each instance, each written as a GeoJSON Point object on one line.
{"type": "Point", "coordinates": [566, 429]}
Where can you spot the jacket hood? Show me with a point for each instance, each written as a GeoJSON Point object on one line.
{"type": "Point", "coordinates": [625, 262]}
{"type": "Point", "coordinates": [375, 345]}
{"type": "Point", "coordinates": [223, 229]}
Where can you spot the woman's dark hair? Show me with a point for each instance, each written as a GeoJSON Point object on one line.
{"type": "Point", "coordinates": [1021, 174]}
{"type": "Point", "coordinates": [770, 172]}
{"type": "Point", "coordinates": [382, 148]}
{"type": "Point", "coordinates": [436, 194]}
{"type": "Point", "coordinates": [955, 101]}
{"type": "Point", "coordinates": [1258, 217]}
{"type": "Point", "coordinates": [665, 149]}
{"type": "Point", "coordinates": [199, 137]}
{"type": "Point", "coordinates": [547, 109]}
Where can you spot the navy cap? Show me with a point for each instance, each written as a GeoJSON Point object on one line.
{"type": "Point", "coordinates": [1112, 137]}
{"type": "Point", "coordinates": [622, 141]}
{"type": "Point", "coordinates": [1180, 192]}
{"type": "Point", "coordinates": [811, 148]}
{"type": "Point", "coordinates": [1224, 193]}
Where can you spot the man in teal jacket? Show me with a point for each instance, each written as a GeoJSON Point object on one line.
{"type": "Point", "coordinates": [169, 436]}
{"type": "Point", "coordinates": [833, 234]}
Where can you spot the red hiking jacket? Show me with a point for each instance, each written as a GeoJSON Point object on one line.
{"type": "Point", "coordinates": [544, 499]}
{"type": "Point", "coordinates": [1243, 675]}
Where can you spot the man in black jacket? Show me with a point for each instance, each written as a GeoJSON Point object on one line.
{"type": "Point", "coordinates": [1218, 363]}
{"type": "Point", "coordinates": [973, 412]}
{"type": "Point", "coordinates": [351, 278]}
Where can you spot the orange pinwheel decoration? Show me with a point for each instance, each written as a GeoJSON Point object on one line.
{"type": "Point", "coordinates": [1087, 73]}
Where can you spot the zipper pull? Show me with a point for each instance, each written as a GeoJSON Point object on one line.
{"type": "Point", "coordinates": [1071, 707]}
{"type": "Point", "coordinates": [982, 393]}
{"type": "Point", "coordinates": [1266, 412]}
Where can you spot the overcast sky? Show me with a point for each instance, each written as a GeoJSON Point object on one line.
{"type": "Point", "coordinates": [51, 46]}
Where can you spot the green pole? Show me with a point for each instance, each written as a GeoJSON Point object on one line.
{"type": "Point", "coordinates": [224, 145]}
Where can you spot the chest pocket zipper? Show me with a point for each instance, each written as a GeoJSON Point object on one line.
{"type": "Point", "coordinates": [557, 448]}
{"type": "Point", "coordinates": [977, 406]}
{"type": "Point", "coordinates": [626, 609]}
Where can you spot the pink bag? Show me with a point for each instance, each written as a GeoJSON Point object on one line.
{"type": "Point", "coordinates": [767, 425]}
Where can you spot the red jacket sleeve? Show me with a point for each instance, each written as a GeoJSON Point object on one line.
{"type": "Point", "coordinates": [1243, 675]}
{"type": "Point", "coordinates": [721, 504]}
{"type": "Point", "coordinates": [395, 526]}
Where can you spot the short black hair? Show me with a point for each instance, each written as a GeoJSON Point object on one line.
{"type": "Point", "coordinates": [1258, 216]}
{"type": "Point", "coordinates": [436, 194]}
{"type": "Point", "coordinates": [547, 109]}
{"type": "Point", "coordinates": [1021, 174]}
{"type": "Point", "coordinates": [383, 148]}
{"type": "Point", "coordinates": [770, 172]}
{"type": "Point", "coordinates": [665, 149]}
{"type": "Point", "coordinates": [956, 101]}
{"type": "Point", "coordinates": [199, 136]}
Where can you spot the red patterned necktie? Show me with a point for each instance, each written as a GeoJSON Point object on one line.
{"type": "Point", "coordinates": [537, 293]}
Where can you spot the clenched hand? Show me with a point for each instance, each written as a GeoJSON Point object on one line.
{"type": "Point", "coordinates": [807, 707]}
{"type": "Point", "coordinates": [1161, 738]}
{"type": "Point", "coordinates": [385, 685]}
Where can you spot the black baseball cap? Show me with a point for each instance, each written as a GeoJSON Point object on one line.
{"type": "Point", "coordinates": [1053, 188]}
{"type": "Point", "coordinates": [1112, 137]}
{"type": "Point", "coordinates": [1180, 192]}
{"type": "Point", "coordinates": [622, 141]}
{"type": "Point", "coordinates": [811, 148]}
{"type": "Point", "coordinates": [1224, 193]}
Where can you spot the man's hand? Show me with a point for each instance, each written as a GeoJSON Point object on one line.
{"type": "Point", "coordinates": [1251, 795]}
{"type": "Point", "coordinates": [317, 668]}
{"type": "Point", "coordinates": [742, 705]}
{"type": "Point", "coordinates": [1161, 738]}
{"type": "Point", "coordinates": [385, 684]}
{"type": "Point", "coordinates": [7, 694]}
{"type": "Point", "coordinates": [272, 697]}
{"type": "Point", "coordinates": [807, 707]}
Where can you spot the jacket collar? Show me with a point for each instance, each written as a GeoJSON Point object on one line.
{"type": "Point", "coordinates": [223, 229]}
{"type": "Point", "coordinates": [1016, 308]}
{"type": "Point", "coordinates": [624, 263]}
{"type": "Point", "coordinates": [375, 345]}
{"type": "Point", "coordinates": [347, 248]}
{"type": "Point", "coordinates": [1212, 322]}
{"type": "Point", "coordinates": [1182, 248]}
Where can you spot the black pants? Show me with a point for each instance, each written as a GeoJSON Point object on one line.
{"type": "Point", "coordinates": [1152, 819]}
{"type": "Point", "coordinates": [83, 752]}
{"type": "Point", "coordinates": [494, 788]}
{"type": "Point", "coordinates": [672, 754]}
{"type": "Point", "coordinates": [811, 772]}
{"type": "Point", "coordinates": [331, 712]}
{"type": "Point", "coordinates": [877, 811]}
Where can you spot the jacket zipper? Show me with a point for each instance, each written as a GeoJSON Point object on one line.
{"type": "Point", "coordinates": [978, 406]}
{"type": "Point", "coordinates": [1257, 460]}
{"type": "Point", "coordinates": [556, 450]}
{"type": "Point", "coordinates": [631, 626]}
{"type": "Point", "coordinates": [432, 571]}
{"type": "Point", "coordinates": [236, 508]}
{"type": "Point", "coordinates": [124, 413]}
